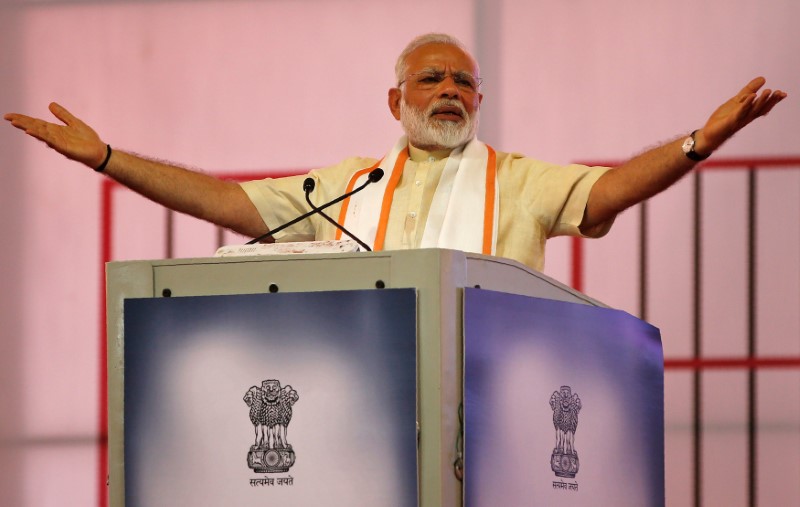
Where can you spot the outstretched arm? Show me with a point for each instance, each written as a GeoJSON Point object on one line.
{"type": "Point", "coordinates": [200, 195]}
{"type": "Point", "coordinates": [655, 170]}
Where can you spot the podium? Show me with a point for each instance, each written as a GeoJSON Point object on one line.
{"type": "Point", "coordinates": [419, 377]}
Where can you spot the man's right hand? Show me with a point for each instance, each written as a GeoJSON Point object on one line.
{"type": "Point", "coordinates": [200, 195]}
{"type": "Point", "coordinates": [75, 139]}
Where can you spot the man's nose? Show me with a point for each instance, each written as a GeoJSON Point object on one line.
{"type": "Point", "coordinates": [448, 87]}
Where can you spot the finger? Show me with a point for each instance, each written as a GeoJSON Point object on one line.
{"type": "Point", "coordinates": [758, 104]}
{"type": "Point", "coordinates": [62, 114]}
{"type": "Point", "coordinates": [23, 122]}
{"type": "Point", "coordinates": [776, 97]}
{"type": "Point", "coordinates": [16, 119]}
{"type": "Point", "coordinates": [753, 86]}
{"type": "Point", "coordinates": [764, 103]}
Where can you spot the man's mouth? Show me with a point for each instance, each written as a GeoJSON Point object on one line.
{"type": "Point", "coordinates": [449, 113]}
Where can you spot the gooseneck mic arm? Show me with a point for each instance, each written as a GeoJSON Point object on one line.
{"type": "Point", "coordinates": [374, 175]}
{"type": "Point", "coordinates": [308, 186]}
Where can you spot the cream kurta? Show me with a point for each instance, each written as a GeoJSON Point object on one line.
{"type": "Point", "coordinates": [537, 201]}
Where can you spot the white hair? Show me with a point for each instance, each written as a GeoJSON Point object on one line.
{"type": "Point", "coordinates": [401, 66]}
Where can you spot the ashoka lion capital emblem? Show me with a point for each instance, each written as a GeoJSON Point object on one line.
{"type": "Point", "coordinates": [565, 405]}
{"type": "Point", "coordinates": [270, 412]}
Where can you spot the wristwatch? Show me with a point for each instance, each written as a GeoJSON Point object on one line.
{"type": "Point", "coordinates": [688, 149]}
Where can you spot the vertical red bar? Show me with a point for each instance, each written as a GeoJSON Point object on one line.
{"type": "Point", "coordinates": [106, 204]}
{"type": "Point", "coordinates": [576, 279]}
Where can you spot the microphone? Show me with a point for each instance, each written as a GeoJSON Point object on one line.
{"type": "Point", "coordinates": [374, 176]}
{"type": "Point", "coordinates": [308, 186]}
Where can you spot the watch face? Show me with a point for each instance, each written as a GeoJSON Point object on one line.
{"type": "Point", "coordinates": [688, 145]}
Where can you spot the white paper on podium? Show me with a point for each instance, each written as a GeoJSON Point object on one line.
{"type": "Point", "coordinates": [299, 247]}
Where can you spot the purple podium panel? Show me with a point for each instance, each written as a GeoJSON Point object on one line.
{"type": "Point", "coordinates": [288, 399]}
{"type": "Point", "coordinates": [563, 404]}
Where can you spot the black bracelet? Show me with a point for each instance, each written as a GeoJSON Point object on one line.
{"type": "Point", "coordinates": [102, 167]}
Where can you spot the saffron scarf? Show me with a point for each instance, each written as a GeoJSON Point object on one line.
{"type": "Point", "coordinates": [464, 210]}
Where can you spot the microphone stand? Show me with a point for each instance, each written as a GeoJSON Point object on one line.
{"type": "Point", "coordinates": [308, 186]}
{"type": "Point", "coordinates": [374, 176]}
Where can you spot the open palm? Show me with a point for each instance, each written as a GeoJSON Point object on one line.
{"type": "Point", "coordinates": [74, 139]}
{"type": "Point", "coordinates": [733, 115]}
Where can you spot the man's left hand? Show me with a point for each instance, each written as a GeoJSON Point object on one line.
{"type": "Point", "coordinates": [734, 114]}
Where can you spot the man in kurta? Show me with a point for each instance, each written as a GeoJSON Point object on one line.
{"type": "Point", "coordinates": [443, 187]}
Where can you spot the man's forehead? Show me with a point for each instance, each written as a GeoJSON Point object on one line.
{"type": "Point", "coordinates": [440, 57]}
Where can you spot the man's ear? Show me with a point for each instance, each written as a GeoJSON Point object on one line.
{"type": "Point", "coordinates": [395, 95]}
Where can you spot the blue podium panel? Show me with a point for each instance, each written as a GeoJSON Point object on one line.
{"type": "Point", "coordinates": [563, 404]}
{"type": "Point", "coordinates": [290, 399]}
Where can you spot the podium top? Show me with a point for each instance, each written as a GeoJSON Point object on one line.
{"type": "Point", "coordinates": [340, 271]}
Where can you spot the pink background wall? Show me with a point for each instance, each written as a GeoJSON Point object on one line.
{"type": "Point", "coordinates": [274, 85]}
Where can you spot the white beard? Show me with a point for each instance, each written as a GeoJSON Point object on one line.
{"type": "Point", "coordinates": [428, 133]}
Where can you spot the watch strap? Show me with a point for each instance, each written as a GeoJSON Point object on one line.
{"type": "Point", "coordinates": [693, 155]}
